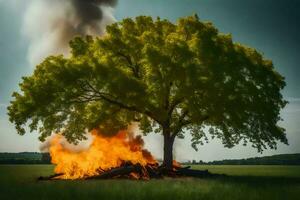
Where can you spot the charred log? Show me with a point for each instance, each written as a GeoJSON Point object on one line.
{"type": "Point", "coordinates": [137, 171]}
{"type": "Point", "coordinates": [153, 171]}
{"type": "Point", "coordinates": [118, 172]}
{"type": "Point", "coordinates": [46, 178]}
{"type": "Point", "coordinates": [193, 173]}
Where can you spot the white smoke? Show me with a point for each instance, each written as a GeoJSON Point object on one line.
{"type": "Point", "coordinates": [49, 25]}
{"type": "Point", "coordinates": [81, 146]}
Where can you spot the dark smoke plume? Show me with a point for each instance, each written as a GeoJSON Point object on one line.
{"type": "Point", "coordinates": [89, 12]}
{"type": "Point", "coordinates": [51, 24]}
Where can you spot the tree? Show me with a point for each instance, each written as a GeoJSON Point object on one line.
{"type": "Point", "coordinates": [171, 78]}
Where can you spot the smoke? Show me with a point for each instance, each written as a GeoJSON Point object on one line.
{"type": "Point", "coordinates": [132, 134]}
{"type": "Point", "coordinates": [81, 146]}
{"type": "Point", "coordinates": [49, 25]}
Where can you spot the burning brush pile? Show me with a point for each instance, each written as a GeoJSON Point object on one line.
{"type": "Point", "coordinates": [120, 156]}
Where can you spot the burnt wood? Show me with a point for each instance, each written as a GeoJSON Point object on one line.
{"type": "Point", "coordinates": [117, 172]}
{"type": "Point", "coordinates": [46, 178]}
{"type": "Point", "coordinates": [193, 173]}
{"type": "Point", "coordinates": [144, 172]}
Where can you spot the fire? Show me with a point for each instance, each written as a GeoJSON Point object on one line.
{"type": "Point", "coordinates": [103, 154]}
{"type": "Point", "coordinates": [176, 165]}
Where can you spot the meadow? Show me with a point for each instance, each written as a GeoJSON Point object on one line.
{"type": "Point", "coordinates": [242, 182]}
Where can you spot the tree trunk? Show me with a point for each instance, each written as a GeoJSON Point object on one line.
{"type": "Point", "coordinates": [168, 150]}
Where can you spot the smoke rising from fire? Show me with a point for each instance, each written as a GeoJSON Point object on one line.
{"type": "Point", "coordinates": [80, 146]}
{"type": "Point", "coordinates": [49, 25]}
{"type": "Point", "coordinates": [132, 133]}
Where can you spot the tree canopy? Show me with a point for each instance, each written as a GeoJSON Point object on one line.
{"type": "Point", "coordinates": [173, 78]}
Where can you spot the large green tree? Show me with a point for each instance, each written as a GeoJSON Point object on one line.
{"type": "Point", "coordinates": [171, 78]}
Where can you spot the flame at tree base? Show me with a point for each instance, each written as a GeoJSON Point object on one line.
{"type": "Point", "coordinates": [103, 154]}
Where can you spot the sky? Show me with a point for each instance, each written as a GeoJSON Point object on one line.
{"type": "Point", "coordinates": [272, 27]}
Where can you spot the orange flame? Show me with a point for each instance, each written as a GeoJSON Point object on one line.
{"type": "Point", "coordinates": [104, 153]}
{"type": "Point", "coordinates": [176, 164]}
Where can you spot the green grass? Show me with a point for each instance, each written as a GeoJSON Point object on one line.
{"type": "Point", "coordinates": [253, 170]}
{"type": "Point", "coordinates": [244, 182]}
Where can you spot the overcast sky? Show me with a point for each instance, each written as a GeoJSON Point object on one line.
{"type": "Point", "coordinates": [270, 26]}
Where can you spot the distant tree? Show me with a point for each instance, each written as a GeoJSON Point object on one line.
{"type": "Point", "coordinates": [46, 158]}
{"type": "Point", "coordinates": [171, 78]}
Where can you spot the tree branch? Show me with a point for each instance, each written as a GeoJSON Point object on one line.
{"type": "Point", "coordinates": [182, 123]}
{"type": "Point", "coordinates": [173, 105]}
{"type": "Point", "coordinates": [95, 95]}
{"type": "Point", "coordinates": [134, 67]}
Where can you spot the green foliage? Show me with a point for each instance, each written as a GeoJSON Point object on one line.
{"type": "Point", "coordinates": [173, 78]}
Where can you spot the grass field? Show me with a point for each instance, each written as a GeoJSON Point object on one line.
{"type": "Point", "coordinates": [244, 182]}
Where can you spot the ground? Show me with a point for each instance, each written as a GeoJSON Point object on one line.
{"type": "Point", "coordinates": [244, 182]}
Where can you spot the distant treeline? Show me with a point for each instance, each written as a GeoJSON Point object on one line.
{"type": "Point", "coordinates": [282, 159]}
{"type": "Point", "coordinates": [44, 158]}
{"type": "Point", "coordinates": [25, 158]}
